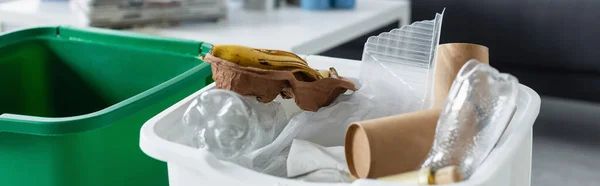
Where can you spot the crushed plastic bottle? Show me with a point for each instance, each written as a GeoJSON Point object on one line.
{"type": "Point", "coordinates": [478, 109]}
{"type": "Point", "coordinates": [229, 125]}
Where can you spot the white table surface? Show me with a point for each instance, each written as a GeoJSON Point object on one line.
{"type": "Point", "coordinates": [289, 28]}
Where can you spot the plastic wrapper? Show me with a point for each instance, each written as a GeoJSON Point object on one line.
{"type": "Point", "coordinates": [326, 176]}
{"type": "Point", "coordinates": [314, 163]}
{"type": "Point", "coordinates": [327, 127]}
{"type": "Point", "coordinates": [478, 109]}
{"type": "Point", "coordinates": [229, 125]}
{"type": "Point", "coordinates": [403, 60]}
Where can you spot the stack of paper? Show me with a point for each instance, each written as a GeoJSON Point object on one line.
{"type": "Point", "coordinates": [127, 13]}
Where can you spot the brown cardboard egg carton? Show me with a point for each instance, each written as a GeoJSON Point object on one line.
{"type": "Point", "coordinates": [266, 85]}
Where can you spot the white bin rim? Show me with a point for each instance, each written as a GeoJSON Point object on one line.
{"type": "Point", "coordinates": [528, 106]}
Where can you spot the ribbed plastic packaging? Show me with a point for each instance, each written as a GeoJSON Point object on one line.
{"type": "Point", "coordinates": [404, 60]}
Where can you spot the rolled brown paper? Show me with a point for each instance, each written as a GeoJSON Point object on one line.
{"type": "Point", "coordinates": [390, 145]}
{"type": "Point", "coordinates": [450, 59]}
{"type": "Point", "coordinates": [397, 144]}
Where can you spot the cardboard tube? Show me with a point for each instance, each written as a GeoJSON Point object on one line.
{"type": "Point", "coordinates": [450, 59]}
{"type": "Point", "coordinates": [397, 144]}
{"type": "Point", "coordinates": [390, 145]}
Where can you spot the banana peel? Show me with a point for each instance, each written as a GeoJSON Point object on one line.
{"type": "Point", "coordinates": [267, 84]}
{"type": "Point", "coordinates": [264, 59]}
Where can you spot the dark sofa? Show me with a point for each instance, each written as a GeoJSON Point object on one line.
{"type": "Point", "coordinates": [550, 45]}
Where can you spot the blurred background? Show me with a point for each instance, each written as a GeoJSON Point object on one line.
{"type": "Point", "coordinates": [550, 45]}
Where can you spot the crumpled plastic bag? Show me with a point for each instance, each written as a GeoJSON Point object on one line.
{"type": "Point", "coordinates": [314, 163]}
{"type": "Point", "coordinates": [327, 127]}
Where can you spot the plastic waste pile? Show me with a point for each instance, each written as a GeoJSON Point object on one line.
{"type": "Point", "coordinates": [427, 113]}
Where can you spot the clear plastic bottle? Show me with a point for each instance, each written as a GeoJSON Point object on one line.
{"type": "Point", "coordinates": [478, 109]}
{"type": "Point", "coordinates": [230, 125]}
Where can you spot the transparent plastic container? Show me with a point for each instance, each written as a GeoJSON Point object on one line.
{"type": "Point", "coordinates": [404, 59]}
{"type": "Point", "coordinates": [508, 164]}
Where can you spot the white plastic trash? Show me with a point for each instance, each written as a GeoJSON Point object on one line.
{"type": "Point", "coordinates": [508, 164]}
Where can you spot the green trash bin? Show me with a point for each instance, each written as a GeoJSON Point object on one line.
{"type": "Point", "coordinates": [72, 102]}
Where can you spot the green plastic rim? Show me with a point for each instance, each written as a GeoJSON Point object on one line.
{"type": "Point", "coordinates": [34, 125]}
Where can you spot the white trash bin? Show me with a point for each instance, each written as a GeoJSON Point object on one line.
{"type": "Point", "coordinates": [508, 164]}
